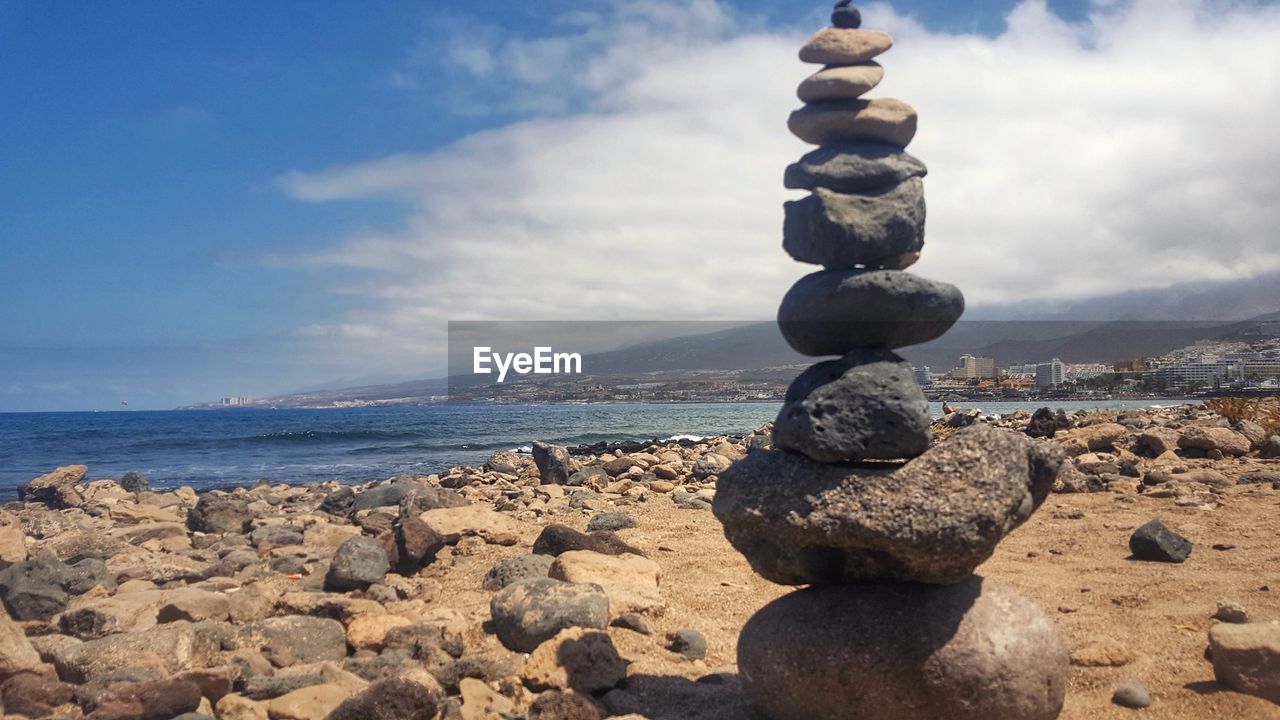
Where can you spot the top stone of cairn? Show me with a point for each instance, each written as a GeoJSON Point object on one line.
{"type": "Point", "coordinates": [846, 16]}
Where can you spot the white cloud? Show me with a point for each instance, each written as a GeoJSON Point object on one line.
{"type": "Point", "coordinates": [1067, 160]}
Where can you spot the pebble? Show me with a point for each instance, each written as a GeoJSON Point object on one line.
{"type": "Point", "coordinates": [1157, 543]}
{"type": "Point", "coordinates": [1131, 694]}
{"type": "Point", "coordinates": [841, 83]}
{"type": "Point", "coordinates": [688, 642]}
{"type": "Point", "coordinates": [1231, 612]}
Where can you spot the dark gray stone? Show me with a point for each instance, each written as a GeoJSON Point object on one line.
{"type": "Point", "coordinates": [556, 539]}
{"type": "Point", "coordinates": [932, 520]}
{"type": "Point", "coordinates": [421, 497]}
{"type": "Point", "coordinates": [357, 564]}
{"type": "Point", "coordinates": [515, 569]}
{"type": "Point", "coordinates": [530, 612]}
{"type": "Point", "coordinates": [844, 231]}
{"type": "Point", "coordinates": [634, 622]}
{"type": "Point", "coordinates": [1270, 448]}
{"type": "Point", "coordinates": [552, 462]}
{"type": "Point", "coordinates": [294, 639]}
{"type": "Point", "coordinates": [611, 521]}
{"type": "Point", "coordinates": [1260, 477]}
{"type": "Point", "coordinates": [970, 651]}
{"type": "Point", "coordinates": [340, 502]}
{"type": "Point", "coordinates": [583, 476]}
{"type": "Point", "coordinates": [845, 16]}
{"type": "Point", "coordinates": [266, 687]}
{"type": "Point", "coordinates": [864, 406]}
{"type": "Point", "coordinates": [1156, 542]}
{"type": "Point", "coordinates": [834, 312]}
{"type": "Point", "coordinates": [1131, 694]}
{"type": "Point", "coordinates": [134, 482]}
{"type": "Point", "coordinates": [688, 642]}
{"type": "Point", "coordinates": [220, 514]}
{"type": "Point", "coordinates": [38, 588]}
{"type": "Point", "coordinates": [273, 536]}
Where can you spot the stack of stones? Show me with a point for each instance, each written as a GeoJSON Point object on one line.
{"type": "Point", "coordinates": [852, 501]}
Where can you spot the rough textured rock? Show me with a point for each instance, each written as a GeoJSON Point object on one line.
{"type": "Point", "coordinates": [970, 651]}
{"type": "Point", "coordinates": [511, 570]}
{"type": "Point", "coordinates": [34, 695]}
{"type": "Point", "coordinates": [530, 612]}
{"type": "Point", "coordinates": [630, 581]}
{"type": "Point", "coordinates": [169, 649]}
{"type": "Point", "coordinates": [866, 405]}
{"type": "Point", "coordinates": [16, 653]}
{"type": "Point", "coordinates": [295, 639]}
{"type": "Point", "coordinates": [1156, 542]}
{"type": "Point", "coordinates": [853, 167]}
{"type": "Point", "coordinates": [220, 514]}
{"type": "Point", "coordinates": [835, 312]}
{"type": "Point", "coordinates": [841, 46]}
{"type": "Point", "coordinates": [1246, 658]}
{"type": "Point", "coordinates": [557, 705]}
{"type": "Point", "coordinates": [38, 588]}
{"type": "Point", "coordinates": [557, 539]}
{"type": "Point", "coordinates": [309, 703]}
{"type": "Point", "coordinates": [58, 489]}
{"type": "Point", "coordinates": [881, 120]}
{"type": "Point", "coordinates": [1046, 423]}
{"type": "Point", "coordinates": [482, 521]}
{"type": "Point", "coordinates": [932, 520]}
{"type": "Point", "coordinates": [553, 463]}
{"type": "Point", "coordinates": [1224, 440]}
{"type": "Point", "coordinates": [154, 700]}
{"type": "Point", "coordinates": [847, 82]}
{"type": "Point", "coordinates": [845, 231]}
{"type": "Point", "coordinates": [578, 659]}
{"type": "Point", "coordinates": [611, 521]}
{"type": "Point", "coordinates": [393, 699]}
{"type": "Point", "coordinates": [357, 564]}
{"type": "Point", "coordinates": [13, 546]}
{"type": "Point", "coordinates": [1271, 448]}
{"type": "Point", "coordinates": [416, 545]}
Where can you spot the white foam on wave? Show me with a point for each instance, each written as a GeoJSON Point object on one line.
{"type": "Point", "coordinates": [692, 438]}
{"type": "Point", "coordinates": [522, 450]}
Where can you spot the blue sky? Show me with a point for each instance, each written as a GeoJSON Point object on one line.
{"type": "Point", "coordinates": [175, 176]}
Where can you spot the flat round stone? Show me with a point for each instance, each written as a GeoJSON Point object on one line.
{"type": "Point", "coordinates": [888, 651]}
{"type": "Point", "coordinates": [853, 167]}
{"type": "Point", "coordinates": [844, 231]}
{"type": "Point", "coordinates": [844, 46]}
{"type": "Point", "coordinates": [845, 82]}
{"type": "Point", "coordinates": [881, 120]}
{"type": "Point", "coordinates": [833, 312]}
{"type": "Point", "coordinates": [865, 405]}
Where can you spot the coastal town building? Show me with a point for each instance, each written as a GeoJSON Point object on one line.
{"type": "Point", "coordinates": [973, 367]}
{"type": "Point", "coordinates": [1050, 374]}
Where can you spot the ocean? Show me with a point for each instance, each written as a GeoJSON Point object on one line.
{"type": "Point", "coordinates": [233, 447]}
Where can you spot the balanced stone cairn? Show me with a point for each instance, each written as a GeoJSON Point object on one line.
{"type": "Point", "coordinates": [851, 500]}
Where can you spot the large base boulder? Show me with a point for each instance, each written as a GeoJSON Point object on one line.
{"type": "Point", "coordinates": [931, 520]}
{"type": "Point", "coordinates": [892, 651]}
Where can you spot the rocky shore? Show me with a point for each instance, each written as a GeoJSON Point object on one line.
{"type": "Point", "coordinates": [590, 585]}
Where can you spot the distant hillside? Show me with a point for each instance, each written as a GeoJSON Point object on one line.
{"type": "Point", "coordinates": [1118, 327]}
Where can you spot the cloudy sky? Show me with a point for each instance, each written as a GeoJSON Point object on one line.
{"type": "Point", "coordinates": [199, 200]}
